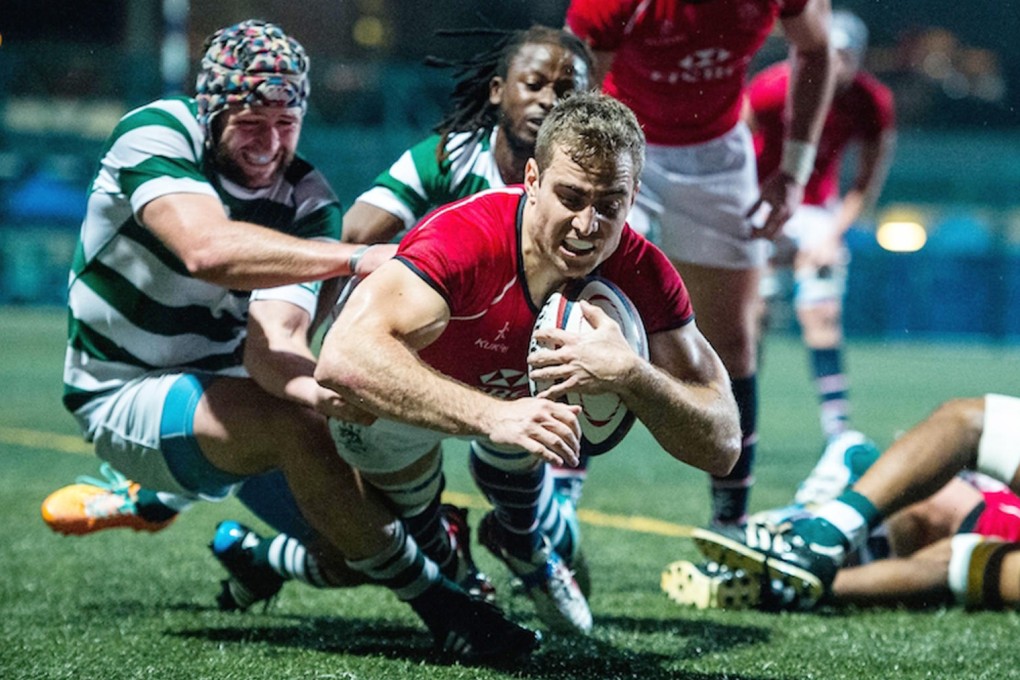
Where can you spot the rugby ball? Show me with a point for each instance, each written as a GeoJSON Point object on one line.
{"type": "Point", "coordinates": [605, 419]}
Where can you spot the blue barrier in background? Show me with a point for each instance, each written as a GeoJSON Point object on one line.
{"type": "Point", "coordinates": [965, 282]}
{"type": "Point", "coordinates": [903, 295]}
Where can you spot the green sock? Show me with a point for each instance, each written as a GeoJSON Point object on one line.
{"type": "Point", "coordinates": [846, 522]}
{"type": "Point", "coordinates": [867, 510]}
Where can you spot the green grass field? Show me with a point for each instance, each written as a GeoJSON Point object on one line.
{"type": "Point", "coordinates": [124, 605]}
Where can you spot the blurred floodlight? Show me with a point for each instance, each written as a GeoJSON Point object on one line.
{"type": "Point", "coordinates": [369, 31]}
{"type": "Point", "coordinates": [902, 236]}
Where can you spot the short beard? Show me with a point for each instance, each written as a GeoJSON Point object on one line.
{"type": "Point", "coordinates": [224, 164]}
{"type": "Point", "coordinates": [520, 147]}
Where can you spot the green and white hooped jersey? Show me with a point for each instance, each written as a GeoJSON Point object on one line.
{"type": "Point", "coordinates": [133, 307]}
{"type": "Point", "coordinates": [418, 182]}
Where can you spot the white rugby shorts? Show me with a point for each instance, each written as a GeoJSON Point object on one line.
{"type": "Point", "coordinates": [145, 431]}
{"type": "Point", "coordinates": [388, 446]}
{"type": "Point", "coordinates": [693, 200]}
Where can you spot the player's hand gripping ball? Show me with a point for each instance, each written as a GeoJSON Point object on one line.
{"type": "Point", "coordinates": [604, 418]}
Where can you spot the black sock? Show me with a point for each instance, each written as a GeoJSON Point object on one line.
{"type": "Point", "coordinates": [149, 507]}
{"type": "Point", "coordinates": [731, 493]}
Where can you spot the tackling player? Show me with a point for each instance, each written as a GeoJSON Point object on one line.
{"type": "Point", "coordinates": [189, 385]}
{"type": "Point", "coordinates": [499, 100]}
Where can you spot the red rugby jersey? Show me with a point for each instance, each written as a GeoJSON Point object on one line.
{"type": "Point", "coordinates": [680, 66]}
{"type": "Point", "coordinates": [469, 252]}
{"type": "Point", "coordinates": [861, 111]}
{"type": "Point", "coordinates": [1001, 515]}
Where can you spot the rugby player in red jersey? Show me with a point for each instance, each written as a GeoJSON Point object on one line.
{"type": "Point", "coordinates": [681, 66]}
{"type": "Point", "coordinates": [435, 343]}
{"type": "Point", "coordinates": [812, 244]}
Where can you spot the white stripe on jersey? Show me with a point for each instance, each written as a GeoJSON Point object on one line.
{"type": "Point", "coordinates": [471, 157]}
{"type": "Point", "coordinates": [146, 271]}
{"type": "Point", "coordinates": [405, 171]}
{"type": "Point", "coordinates": [154, 349]}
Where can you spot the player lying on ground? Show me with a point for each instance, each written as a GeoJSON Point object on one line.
{"type": "Point", "coordinates": [800, 559]}
{"type": "Point", "coordinates": [907, 560]}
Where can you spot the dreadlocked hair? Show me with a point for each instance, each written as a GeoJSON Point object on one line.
{"type": "Point", "coordinates": [471, 110]}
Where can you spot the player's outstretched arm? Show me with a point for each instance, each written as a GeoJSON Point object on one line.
{"type": "Point", "coordinates": [279, 359]}
{"type": "Point", "coordinates": [239, 255]}
{"type": "Point", "coordinates": [370, 358]}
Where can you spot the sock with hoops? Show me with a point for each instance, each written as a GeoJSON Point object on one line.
{"type": "Point", "coordinates": [731, 493]}
{"type": "Point", "coordinates": [515, 497]}
{"type": "Point", "coordinates": [429, 530]}
{"type": "Point", "coordinates": [845, 522]}
{"type": "Point", "coordinates": [289, 558]}
{"type": "Point", "coordinates": [401, 566]}
{"type": "Point", "coordinates": [831, 385]}
{"type": "Point", "coordinates": [553, 521]}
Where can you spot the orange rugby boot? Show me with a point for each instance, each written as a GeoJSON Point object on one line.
{"type": "Point", "coordinates": [92, 505]}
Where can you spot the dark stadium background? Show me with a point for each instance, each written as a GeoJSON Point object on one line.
{"type": "Point", "coordinates": [69, 69]}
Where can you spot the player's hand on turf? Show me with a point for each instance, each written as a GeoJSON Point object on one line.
{"type": "Point", "coordinates": [545, 429]}
{"type": "Point", "coordinates": [590, 363]}
{"type": "Point", "coordinates": [783, 195]}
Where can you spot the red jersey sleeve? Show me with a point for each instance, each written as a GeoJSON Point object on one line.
{"type": "Point", "coordinates": [451, 245]}
{"type": "Point", "coordinates": [600, 22]}
{"type": "Point", "coordinates": [650, 280]}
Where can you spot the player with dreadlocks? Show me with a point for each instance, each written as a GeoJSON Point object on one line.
{"type": "Point", "coordinates": [500, 98]}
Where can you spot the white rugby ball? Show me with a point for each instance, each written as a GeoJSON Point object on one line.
{"type": "Point", "coordinates": [605, 419]}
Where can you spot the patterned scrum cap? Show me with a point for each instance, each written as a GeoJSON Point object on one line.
{"type": "Point", "coordinates": [252, 63]}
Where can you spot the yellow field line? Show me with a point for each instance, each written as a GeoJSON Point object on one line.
{"type": "Point", "coordinates": [636, 523]}
{"type": "Point", "coordinates": [34, 439]}
{"type": "Point", "coordinates": [51, 441]}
